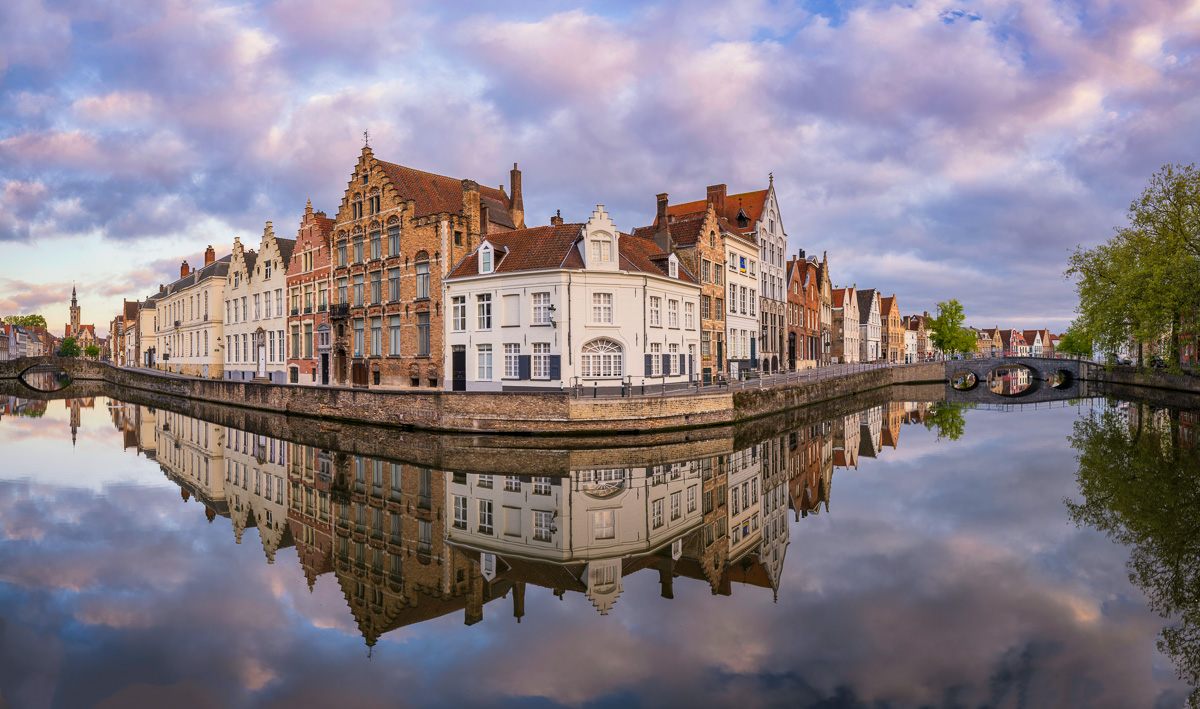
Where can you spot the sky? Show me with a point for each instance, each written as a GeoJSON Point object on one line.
{"type": "Point", "coordinates": [934, 149]}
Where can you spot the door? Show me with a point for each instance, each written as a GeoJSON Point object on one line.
{"type": "Point", "coordinates": [262, 361]}
{"type": "Point", "coordinates": [458, 368]}
{"type": "Point", "coordinates": [325, 369]}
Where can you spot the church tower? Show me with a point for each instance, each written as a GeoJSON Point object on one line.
{"type": "Point", "coordinates": [74, 314]}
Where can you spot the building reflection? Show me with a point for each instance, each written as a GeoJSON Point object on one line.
{"type": "Point", "coordinates": [407, 543]}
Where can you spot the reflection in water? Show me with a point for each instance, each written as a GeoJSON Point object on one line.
{"type": "Point", "coordinates": [1139, 475]}
{"type": "Point", "coordinates": [409, 543]}
{"type": "Point", "coordinates": [1010, 379]}
{"type": "Point", "coordinates": [46, 377]}
{"type": "Point", "coordinates": [964, 381]}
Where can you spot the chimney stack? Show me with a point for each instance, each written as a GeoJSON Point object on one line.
{"type": "Point", "coordinates": [517, 209]}
{"type": "Point", "coordinates": [557, 219]}
{"type": "Point", "coordinates": [209, 256]}
{"type": "Point", "coordinates": [161, 288]}
{"type": "Point", "coordinates": [484, 218]}
{"type": "Point", "coordinates": [183, 270]}
{"type": "Point", "coordinates": [801, 254]}
{"type": "Point", "coordinates": [660, 221]}
{"type": "Point", "coordinates": [716, 195]}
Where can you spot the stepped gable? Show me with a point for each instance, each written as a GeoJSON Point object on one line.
{"type": "Point", "coordinates": [751, 203]}
{"type": "Point", "coordinates": [865, 298]}
{"type": "Point", "coordinates": [286, 247]}
{"type": "Point", "coordinates": [435, 194]}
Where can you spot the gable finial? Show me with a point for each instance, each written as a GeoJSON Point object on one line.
{"type": "Point", "coordinates": [366, 138]}
{"type": "Point", "coordinates": [771, 179]}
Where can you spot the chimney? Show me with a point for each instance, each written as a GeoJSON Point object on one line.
{"type": "Point", "coordinates": [716, 195]}
{"type": "Point", "coordinates": [660, 221]}
{"type": "Point", "coordinates": [470, 197]}
{"type": "Point", "coordinates": [484, 218]}
{"type": "Point", "coordinates": [801, 254]}
{"type": "Point", "coordinates": [183, 270]}
{"type": "Point", "coordinates": [517, 208]}
{"type": "Point", "coordinates": [209, 255]}
{"type": "Point", "coordinates": [557, 219]}
{"type": "Point", "coordinates": [161, 288]}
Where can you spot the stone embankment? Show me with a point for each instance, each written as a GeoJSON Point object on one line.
{"type": "Point", "coordinates": [508, 412]}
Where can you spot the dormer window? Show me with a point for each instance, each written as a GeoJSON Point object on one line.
{"type": "Point", "coordinates": [673, 267]}
{"type": "Point", "coordinates": [602, 248]}
{"type": "Point", "coordinates": [485, 259]}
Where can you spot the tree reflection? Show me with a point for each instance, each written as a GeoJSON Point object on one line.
{"type": "Point", "coordinates": [947, 419]}
{"type": "Point", "coordinates": [1141, 486]}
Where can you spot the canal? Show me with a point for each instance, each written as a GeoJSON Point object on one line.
{"type": "Point", "coordinates": [888, 554]}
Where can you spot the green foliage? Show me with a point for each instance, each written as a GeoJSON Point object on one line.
{"type": "Point", "coordinates": [947, 420]}
{"type": "Point", "coordinates": [69, 348]}
{"type": "Point", "coordinates": [1138, 284]}
{"type": "Point", "coordinates": [1142, 488]}
{"type": "Point", "coordinates": [26, 320]}
{"type": "Point", "coordinates": [1075, 342]}
{"type": "Point", "coordinates": [92, 351]}
{"type": "Point", "coordinates": [946, 329]}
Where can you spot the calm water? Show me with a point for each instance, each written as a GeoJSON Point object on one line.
{"type": "Point", "coordinates": [900, 556]}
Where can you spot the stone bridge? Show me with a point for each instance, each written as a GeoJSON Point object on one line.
{"type": "Point", "coordinates": [1042, 375]}
{"type": "Point", "coordinates": [77, 367]}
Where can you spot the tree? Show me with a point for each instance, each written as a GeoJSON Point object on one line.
{"type": "Point", "coordinates": [68, 348]}
{"type": "Point", "coordinates": [92, 351]}
{"type": "Point", "coordinates": [947, 331]}
{"type": "Point", "coordinates": [947, 419]}
{"type": "Point", "coordinates": [1075, 342]}
{"type": "Point", "coordinates": [1140, 487]}
{"type": "Point", "coordinates": [1139, 284]}
{"type": "Point", "coordinates": [26, 320]}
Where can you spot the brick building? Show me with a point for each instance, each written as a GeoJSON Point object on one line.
{"type": "Point", "coordinates": [846, 337]}
{"type": "Point", "coordinates": [892, 342]}
{"type": "Point", "coordinates": [698, 240]}
{"type": "Point", "coordinates": [309, 281]}
{"type": "Point", "coordinates": [398, 232]}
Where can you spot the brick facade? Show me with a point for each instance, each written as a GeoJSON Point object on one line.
{"type": "Point", "coordinates": [398, 232]}
{"type": "Point", "coordinates": [309, 279]}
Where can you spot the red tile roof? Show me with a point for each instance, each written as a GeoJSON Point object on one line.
{"type": "Point", "coordinates": [555, 247]}
{"type": "Point", "coordinates": [434, 194]}
{"type": "Point", "coordinates": [751, 203]}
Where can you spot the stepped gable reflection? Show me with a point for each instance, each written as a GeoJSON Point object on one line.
{"type": "Point", "coordinates": [407, 543]}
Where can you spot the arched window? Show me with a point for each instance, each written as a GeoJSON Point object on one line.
{"type": "Point", "coordinates": [602, 358]}
{"type": "Point", "coordinates": [601, 248]}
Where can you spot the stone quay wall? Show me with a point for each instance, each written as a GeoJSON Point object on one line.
{"type": "Point", "coordinates": [529, 413]}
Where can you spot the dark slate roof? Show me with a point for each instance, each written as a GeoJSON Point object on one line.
{"type": "Point", "coordinates": [865, 298]}
{"type": "Point", "coordinates": [286, 247]}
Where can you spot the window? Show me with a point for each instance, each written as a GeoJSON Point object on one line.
{"type": "Point", "coordinates": [485, 261]}
{"type": "Point", "coordinates": [341, 253]}
{"type": "Point", "coordinates": [672, 313]}
{"type": "Point", "coordinates": [673, 268]}
{"type": "Point", "coordinates": [541, 485]}
{"type": "Point", "coordinates": [689, 315]}
{"type": "Point", "coordinates": [601, 249]}
{"type": "Point", "coordinates": [376, 246]}
{"type": "Point", "coordinates": [358, 338]}
{"type": "Point", "coordinates": [705, 307]}
{"type": "Point", "coordinates": [341, 291]}
{"type": "Point", "coordinates": [512, 483]}
{"type": "Point", "coordinates": [753, 300]}
{"type": "Point", "coordinates": [358, 290]}
{"type": "Point", "coordinates": [655, 307]}
{"type": "Point", "coordinates": [485, 516]}
{"type": "Point", "coordinates": [484, 309]}
{"type": "Point", "coordinates": [358, 249]}
{"type": "Point", "coordinates": [601, 358]}
{"type": "Point", "coordinates": [458, 313]}
{"type": "Point", "coordinates": [483, 359]}
{"type": "Point", "coordinates": [541, 308]}
{"type": "Point", "coordinates": [512, 361]}
{"type": "Point", "coordinates": [733, 262]}
{"type": "Point", "coordinates": [422, 279]}
{"type": "Point", "coordinates": [604, 524]}
{"type": "Point", "coordinates": [655, 359]}
{"type": "Point", "coordinates": [541, 525]}
{"type": "Point", "coordinates": [484, 481]}
{"type": "Point", "coordinates": [673, 351]}
{"type": "Point", "coordinates": [422, 334]}
{"type": "Point", "coordinates": [541, 360]}
{"type": "Point", "coordinates": [394, 335]}
{"type": "Point", "coordinates": [733, 298]}
{"type": "Point", "coordinates": [393, 241]}
{"type": "Point", "coordinates": [656, 513]}
{"type": "Point", "coordinates": [742, 297]}
{"type": "Point", "coordinates": [295, 340]}
{"type": "Point", "coordinates": [376, 336]}
{"type": "Point", "coordinates": [705, 343]}
{"type": "Point", "coordinates": [704, 270]}
{"type": "Point", "coordinates": [376, 287]}
{"type": "Point", "coordinates": [691, 499]}
{"type": "Point", "coordinates": [676, 510]}
{"type": "Point", "coordinates": [394, 285]}
{"type": "Point", "coordinates": [602, 308]}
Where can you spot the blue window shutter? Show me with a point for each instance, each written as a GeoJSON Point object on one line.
{"type": "Point", "coordinates": [523, 366]}
{"type": "Point", "coordinates": [556, 366]}
{"type": "Point", "coordinates": [666, 364]}
{"type": "Point", "coordinates": [649, 365]}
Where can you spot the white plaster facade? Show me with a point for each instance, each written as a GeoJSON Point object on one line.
{"type": "Point", "coordinates": [910, 346]}
{"type": "Point", "coordinates": [870, 325]}
{"type": "Point", "coordinates": [604, 326]}
{"type": "Point", "coordinates": [256, 485]}
{"type": "Point", "coordinates": [255, 310]}
{"type": "Point", "coordinates": [189, 329]}
{"type": "Point", "coordinates": [742, 303]}
{"type": "Point", "coordinates": [772, 242]}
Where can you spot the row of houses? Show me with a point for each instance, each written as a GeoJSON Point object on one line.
{"type": "Point", "coordinates": [21, 341]}
{"type": "Point", "coordinates": [997, 342]}
{"type": "Point", "coordinates": [427, 281]}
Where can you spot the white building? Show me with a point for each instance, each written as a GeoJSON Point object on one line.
{"type": "Point", "coordinates": [188, 332]}
{"type": "Point", "coordinates": [870, 325]}
{"type": "Point", "coordinates": [910, 346]}
{"type": "Point", "coordinates": [846, 328]}
{"type": "Point", "coordinates": [772, 241]}
{"type": "Point", "coordinates": [256, 488]}
{"type": "Point", "coordinates": [741, 303]}
{"type": "Point", "coordinates": [255, 315]}
{"type": "Point", "coordinates": [570, 305]}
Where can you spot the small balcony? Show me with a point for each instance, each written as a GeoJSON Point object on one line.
{"type": "Point", "coordinates": [295, 311]}
{"type": "Point", "coordinates": [308, 310]}
{"type": "Point", "coordinates": [339, 310]}
{"type": "Point", "coordinates": [322, 308]}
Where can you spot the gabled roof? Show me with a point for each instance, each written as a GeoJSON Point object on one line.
{"type": "Point", "coordinates": [555, 246]}
{"type": "Point", "coordinates": [434, 194]}
{"type": "Point", "coordinates": [131, 310]}
{"type": "Point", "coordinates": [866, 298]}
{"type": "Point", "coordinates": [751, 203]}
{"type": "Point", "coordinates": [888, 304]}
{"type": "Point", "coordinates": [220, 267]}
{"type": "Point", "coordinates": [286, 247]}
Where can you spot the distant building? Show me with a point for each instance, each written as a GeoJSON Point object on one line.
{"type": "Point", "coordinates": [85, 335]}
{"type": "Point", "coordinates": [847, 333]}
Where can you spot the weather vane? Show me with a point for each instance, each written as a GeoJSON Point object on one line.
{"type": "Point", "coordinates": [366, 139]}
